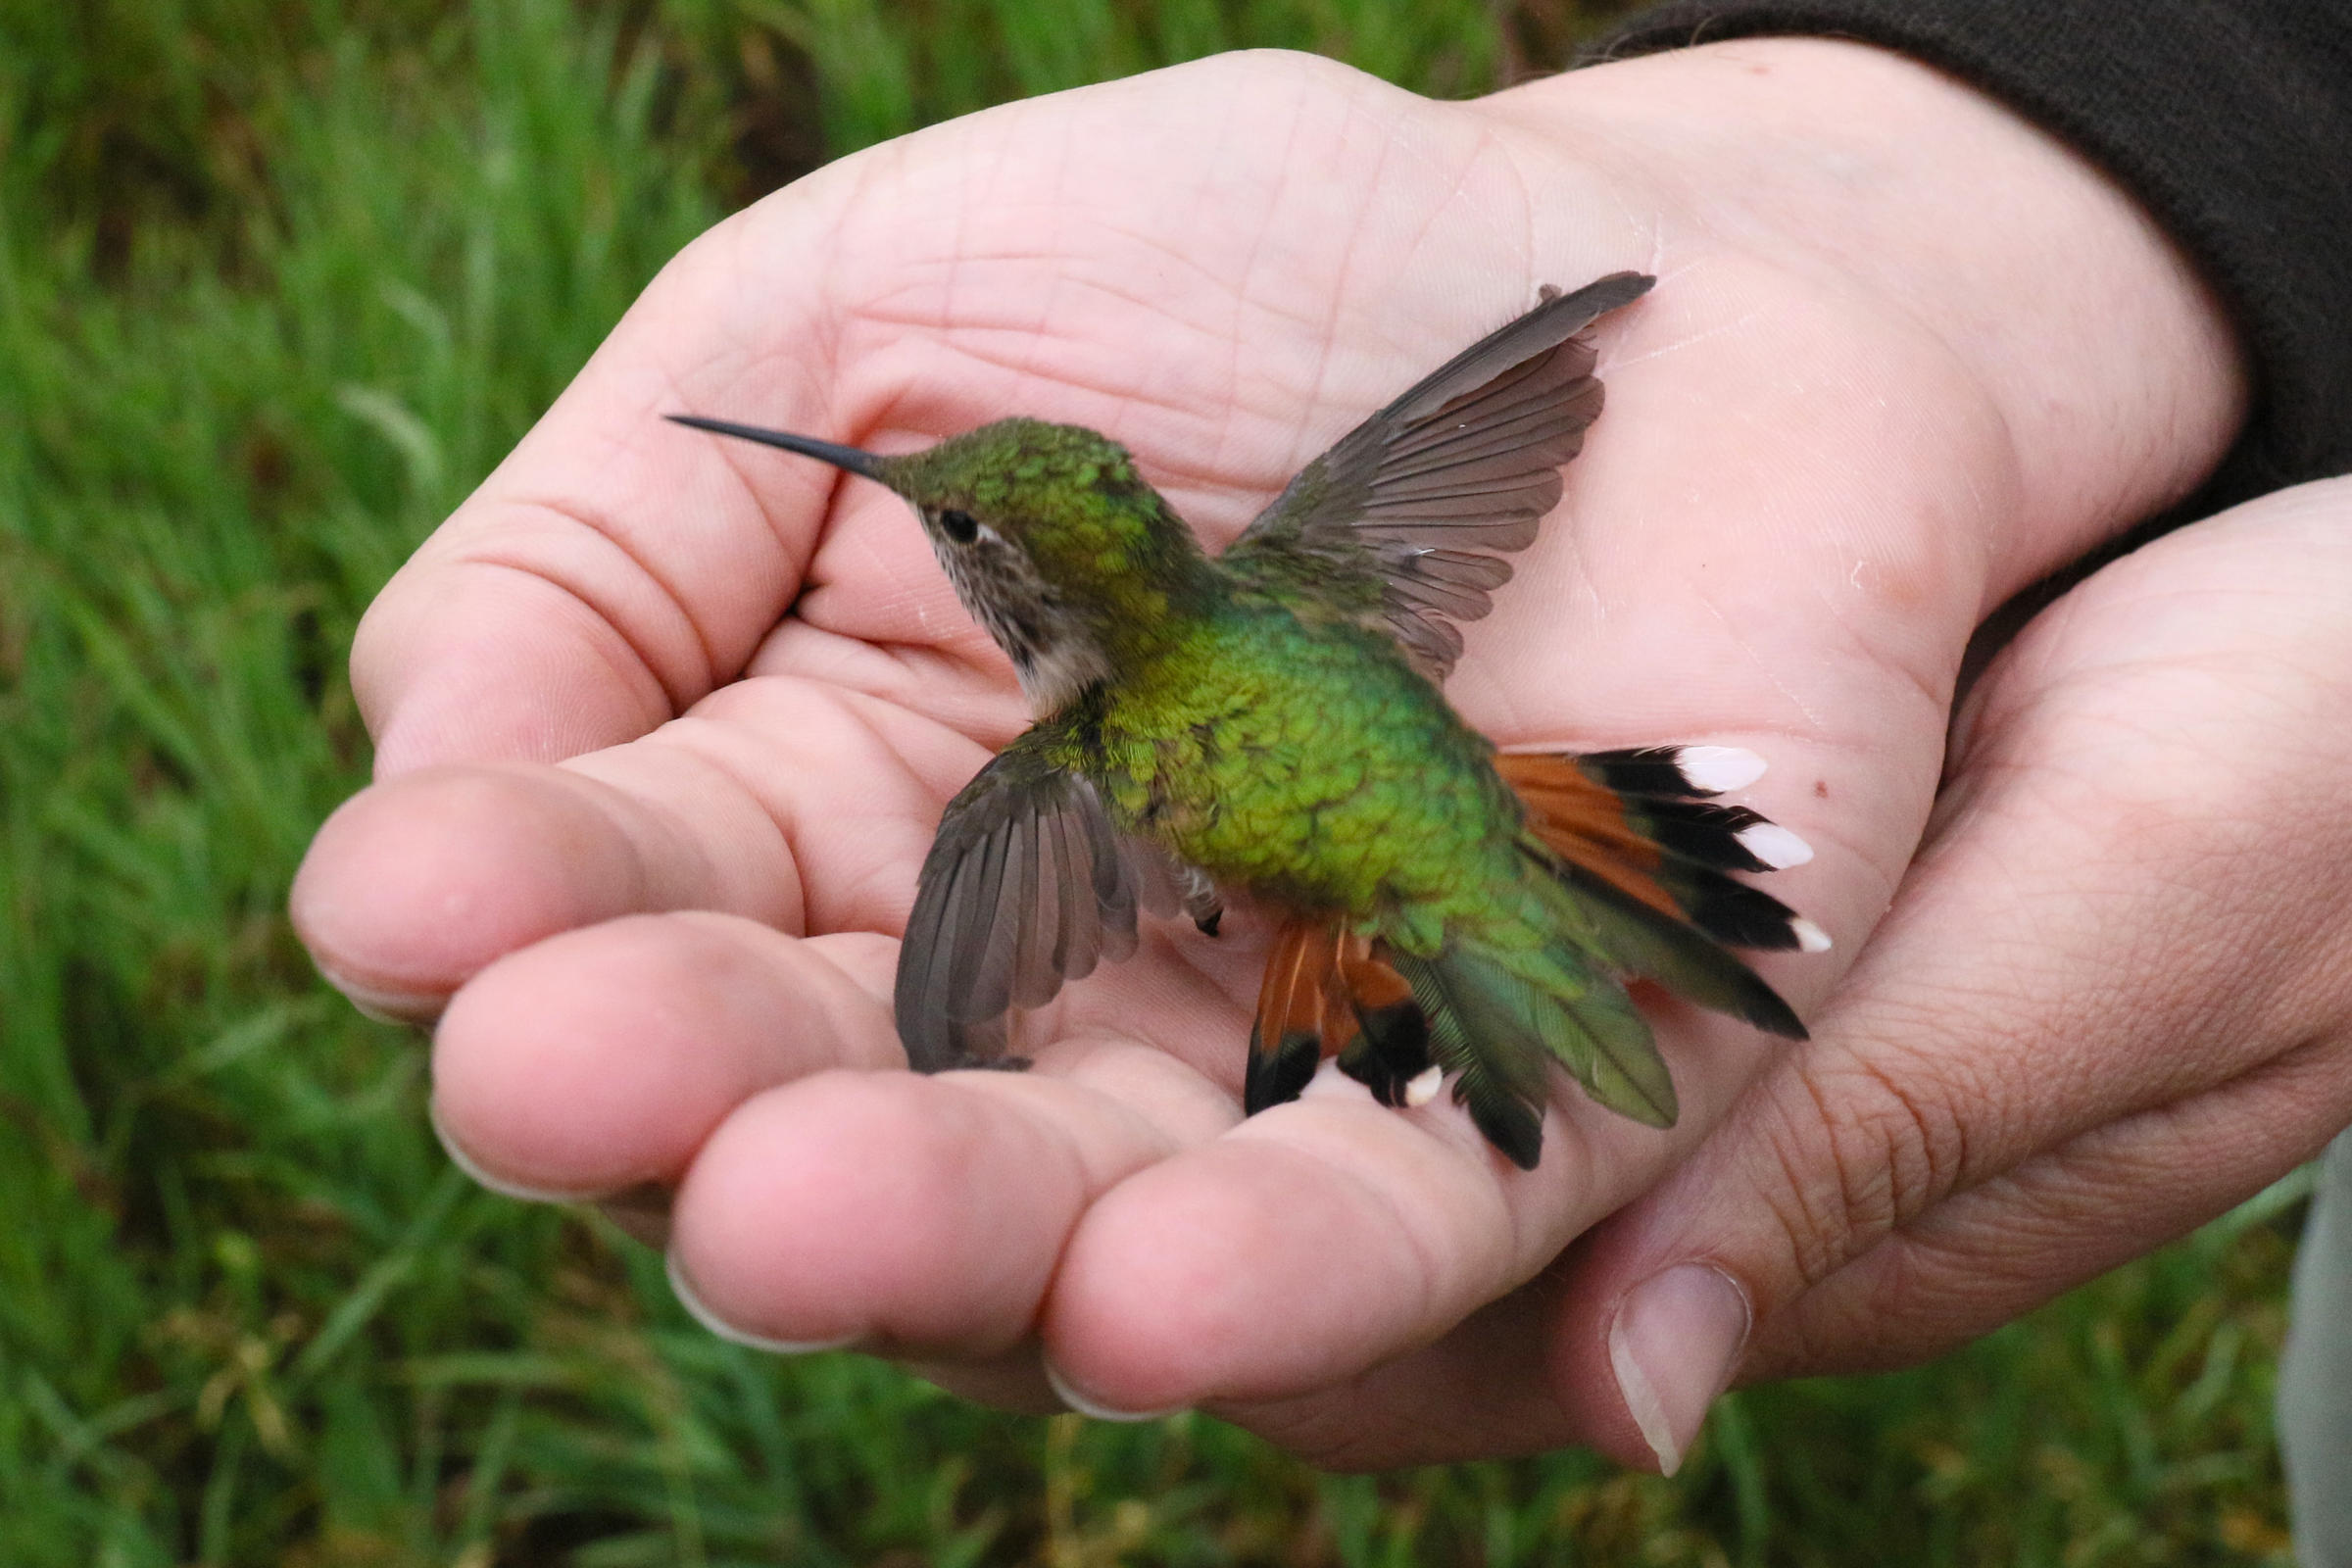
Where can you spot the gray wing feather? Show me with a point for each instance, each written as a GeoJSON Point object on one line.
{"type": "Point", "coordinates": [1077, 942]}
{"type": "Point", "coordinates": [1036, 971]}
{"type": "Point", "coordinates": [1467, 460]}
{"type": "Point", "coordinates": [1027, 886]}
{"type": "Point", "coordinates": [1115, 890]}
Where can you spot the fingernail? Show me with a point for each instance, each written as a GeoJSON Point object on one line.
{"type": "Point", "coordinates": [496, 1184]}
{"type": "Point", "coordinates": [415, 1009]}
{"type": "Point", "coordinates": [701, 1313]}
{"type": "Point", "coordinates": [1087, 1404]}
{"type": "Point", "coordinates": [1674, 1347]}
{"type": "Point", "coordinates": [407, 1009]}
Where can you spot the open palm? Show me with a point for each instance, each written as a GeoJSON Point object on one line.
{"type": "Point", "coordinates": [664, 725]}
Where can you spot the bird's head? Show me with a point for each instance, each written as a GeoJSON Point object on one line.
{"type": "Point", "coordinates": [1052, 541]}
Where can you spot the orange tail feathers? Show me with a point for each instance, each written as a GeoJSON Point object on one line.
{"type": "Point", "coordinates": [1586, 823]}
{"type": "Point", "coordinates": [1329, 992]}
{"type": "Point", "coordinates": [1645, 856]}
{"type": "Point", "coordinates": [1635, 835]}
{"type": "Point", "coordinates": [1644, 824]}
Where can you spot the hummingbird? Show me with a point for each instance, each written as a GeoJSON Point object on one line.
{"type": "Point", "coordinates": [1269, 721]}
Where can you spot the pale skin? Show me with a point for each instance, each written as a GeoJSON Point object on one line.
{"type": "Point", "coordinates": [664, 727]}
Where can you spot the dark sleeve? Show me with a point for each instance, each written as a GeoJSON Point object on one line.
{"type": "Point", "coordinates": [2230, 119]}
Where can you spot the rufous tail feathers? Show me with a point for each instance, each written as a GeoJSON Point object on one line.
{"type": "Point", "coordinates": [1329, 992]}
{"type": "Point", "coordinates": [1643, 854]}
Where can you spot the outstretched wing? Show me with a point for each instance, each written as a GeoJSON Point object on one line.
{"type": "Point", "coordinates": [1400, 523]}
{"type": "Point", "coordinates": [1028, 885]}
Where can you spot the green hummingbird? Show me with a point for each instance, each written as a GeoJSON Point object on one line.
{"type": "Point", "coordinates": [1269, 721]}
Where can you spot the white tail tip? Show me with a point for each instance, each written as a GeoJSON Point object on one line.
{"type": "Point", "coordinates": [1424, 1088]}
{"type": "Point", "coordinates": [1774, 845]}
{"type": "Point", "coordinates": [1810, 938]}
{"type": "Point", "coordinates": [1715, 768]}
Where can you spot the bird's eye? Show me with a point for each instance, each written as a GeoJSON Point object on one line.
{"type": "Point", "coordinates": [959, 526]}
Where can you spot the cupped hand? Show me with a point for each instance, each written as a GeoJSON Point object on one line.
{"type": "Point", "coordinates": [2113, 999]}
{"type": "Point", "coordinates": [664, 724]}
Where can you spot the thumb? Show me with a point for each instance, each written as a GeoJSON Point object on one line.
{"type": "Point", "coordinates": [2112, 999]}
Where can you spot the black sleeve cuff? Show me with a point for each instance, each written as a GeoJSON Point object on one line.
{"type": "Point", "coordinates": [2230, 119]}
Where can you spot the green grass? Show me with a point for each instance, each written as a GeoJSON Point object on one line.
{"type": "Point", "coordinates": [278, 280]}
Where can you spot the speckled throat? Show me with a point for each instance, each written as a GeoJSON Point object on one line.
{"type": "Point", "coordinates": [1053, 653]}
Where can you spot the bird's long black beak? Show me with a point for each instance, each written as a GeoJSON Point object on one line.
{"type": "Point", "coordinates": [856, 459]}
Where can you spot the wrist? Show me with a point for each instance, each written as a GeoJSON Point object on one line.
{"type": "Point", "coordinates": [1898, 190]}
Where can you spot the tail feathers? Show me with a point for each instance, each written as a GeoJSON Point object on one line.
{"type": "Point", "coordinates": [1327, 993]}
{"type": "Point", "coordinates": [1295, 1012]}
{"type": "Point", "coordinates": [1503, 1096]}
{"type": "Point", "coordinates": [1499, 1021]}
{"type": "Point", "coordinates": [1641, 821]}
{"type": "Point", "coordinates": [1639, 939]}
{"type": "Point", "coordinates": [1630, 867]}
{"type": "Point", "coordinates": [1392, 1047]}
{"type": "Point", "coordinates": [1627, 1072]}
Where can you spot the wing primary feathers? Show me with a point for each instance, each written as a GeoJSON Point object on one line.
{"type": "Point", "coordinates": [1467, 459]}
{"type": "Point", "coordinates": [1509, 389]}
{"type": "Point", "coordinates": [1489, 533]}
{"type": "Point", "coordinates": [1466, 603]}
{"type": "Point", "coordinates": [1435, 644]}
{"type": "Point", "coordinates": [1508, 449]}
{"type": "Point", "coordinates": [1114, 889]}
{"type": "Point", "coordinates": [1510, 441]}
{"type": "Point", "coordinates": [1462, 569]}
{"type": "Point", "coordinates": [1556, 381]}
{"type": "Point", "coordinates": [1079, 943]}
{"type": "Point", "coordinates": [1027, 886]}
{"type": "Point", "coordinates": [954, 921]}
{"type": "Point", "coordinates": [1550, 323]}
{"type": "Point", "coordinates": [1450, 581]}
{"type": "Point", "coordinates": [924, 1026]}
{"type": "Point", "coordinates": [987, 990]}
{"type": "Point", "coordinates": [1037, 971]}
{"type": "Point", "coordinates": [1434, 509]}
{"type": "Point", "coordinates": [1071, 910]}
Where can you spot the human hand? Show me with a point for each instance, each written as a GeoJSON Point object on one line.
{"type": "Point", "coordinates": [664, 727]}
{"type": "Point", "coordinates": [2113, 999]}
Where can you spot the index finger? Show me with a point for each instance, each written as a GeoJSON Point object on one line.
{"type": "Point", "coordinates": [610, 571]}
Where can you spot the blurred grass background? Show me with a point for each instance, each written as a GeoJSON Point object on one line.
{"type": "Point", "coordinates": [280, 279]}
